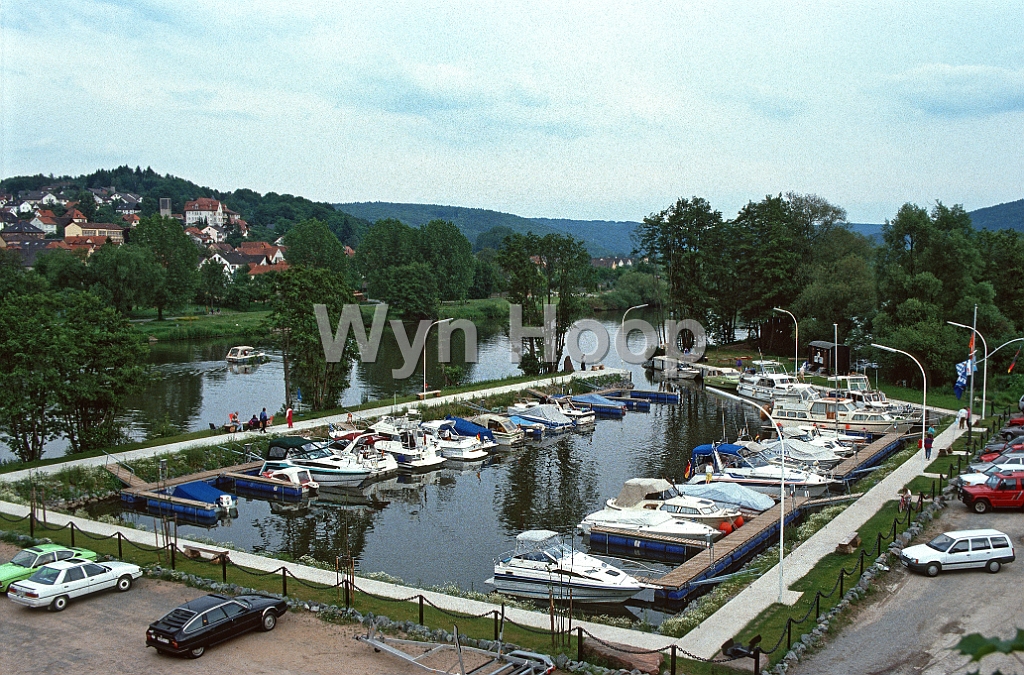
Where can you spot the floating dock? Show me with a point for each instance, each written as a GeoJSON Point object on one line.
{"type": "Point", "coordinates": [153, 495]}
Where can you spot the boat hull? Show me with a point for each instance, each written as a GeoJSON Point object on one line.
{"type": "Point", "coordinates": [544, 589]}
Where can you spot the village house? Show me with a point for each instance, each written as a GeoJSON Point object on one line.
{"type": "Point", "coordinates": [21, 231]}
{"type": "Point", "coordinates": [114, 232]}
{"type": "Point", "coordinates": [232, 260]}
{"type": "Point", "coordinates": [205, 211]}
{"type": "Point", "coordinates": [274, 254]}
{"type": "Point", "coordinates": [48, 224]}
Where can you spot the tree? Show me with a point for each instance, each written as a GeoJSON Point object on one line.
{"type": "Point", "coordinates": [450, 256]}
{"type": "Point", "coordinates": [294, 323]}
{"type": "Point", "coordinates": [86, 205]}
{"type": "Point", "coordinates": [312, 244]}
{"type": "Point", "coordinates": [566, 265]}
{"type": "Point", "coordinates": [240, 291]}
{"type": "Point", "coordinates": [63, 269]}
{"type": "Point", "coordinates": [212, 282]}
{"type": "Point", "coordinates": [14, 278]}
{"type": "Point", "coordinates": [126, 276]}
{"type": "Point", "coordinates": [178, 256]}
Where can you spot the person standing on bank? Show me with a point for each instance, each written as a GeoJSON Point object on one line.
{"type": "Point", "coordinates": [928, 441]}
{"type": "Point", "coordinates": [961, 417]}
{"type": "Point", "coordinates": [288, 417]}
{"type": "Point", "coordinates": [263, 421]}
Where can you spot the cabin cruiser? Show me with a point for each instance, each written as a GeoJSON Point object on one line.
{"type": "Point", "coordinates": [644, 521]}
{"type": "Point", "coordinates": [728, 465]}
{"type": "Point", "coordinates": [542, 567]}
{"type": "Point", "coordinates": [658, 494]}
{"type": "Point", "coordinates": [245, 354]}
{"type": "Point", "coordinates": [770, 382]}
{"type": "Point", "coordinates": [292, 475]}
{"type": "Point", "coordinates": [504, 431]}
{"type": "Point", "coordinates": [412, 449]}
{"type": "Point", "coordinates": [671, 368]}
{"type": "Point", "coordinates": [812, 433]}
{"type": "Point", "coordinates": [582, 417]}
{"type": "Point", "coordinates": [328, 464]}
{"type": "Point", "coordinates": [722, 377]}
{"type": "Point", "coordinates": [797, 452]}
{"type": "Point", "coordinates": [857, 388]}
{"type": "Point", "coordinates": [453, 446]}
{"type": "Point", "coordinates": [547, 414]}
{"type": "Point", "coordinates": [839, 413]}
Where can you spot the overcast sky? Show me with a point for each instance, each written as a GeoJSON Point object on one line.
{"type": "Point", "coordinates": [567, 110]}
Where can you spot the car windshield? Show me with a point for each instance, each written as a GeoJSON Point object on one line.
{"type": "Point", "coordinates": [940, 543]}
{"type": "Point", "coordinates": [45, 575]}
{"type": "Point", "coordinates": [993, 482]}
{"type": "Point", "coordinates": [24, 559]}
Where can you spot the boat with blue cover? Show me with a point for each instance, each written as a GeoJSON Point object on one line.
{"type": "Point", "coordinates": [729, 465]}
{"type": "Point", "coordinates": [603, 406]}
{"type": "Point", "coordinates": [547, 414]}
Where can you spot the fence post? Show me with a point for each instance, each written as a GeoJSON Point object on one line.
{"type": "Point", "coordinates": [842, 578]}
{"type": "Point", "coordinates": [579, 649]}
{"type": "Point", "coordinates": [173, 549]}
{"type": "Point", "coordinates": [933, 488]}
{"type": "Point", "coordinates": [32, 521]}
{"type": "Point", "coordinates": [72, 534]}
{"type": "Point", "coordinates": [757, 660]}
{"type": "Point", "coordinates": [224, 568]}
{"type": "Point", "coordinates": [345, 585]}
{"type": "Point", "coordinates": [862, 562]}
{"type": "Point", "coordinates": [789, 633]}
{"type": "Point", "coordinates": [817, 606]}
{"type": "Point", "coordinates": [495, 613]}
{"type": "Point", "coordinates": [284, 580]}
{"type": "Point", "coordinates": [672, 662]}
{"type": "Point", "coordinates": [878, 545]}
{"type": "Point", "coordinates": [421, 606]}
{"type": "Point", "coordinates": [958, 460]}
{"type": "Point", "coordinates": [120, 553]}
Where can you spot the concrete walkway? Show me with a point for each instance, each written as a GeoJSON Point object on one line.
{"type": "Point", "coordinates": [304, 425]}
{"type": "Point", "coordinates": [706, 640]}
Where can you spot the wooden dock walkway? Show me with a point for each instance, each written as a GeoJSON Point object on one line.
{"type": "Point", "coordinates": [136, 485]}
{"type": "Point", "coordinates": [694, 567]}
{"type": "Point", "coordinates": [864, 455]}
{"type": "Point", "coordinates": [126, 476]}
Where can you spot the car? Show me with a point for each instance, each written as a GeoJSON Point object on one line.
{"type": "Point", "coordinates": [55, 584]}
{"type": "Point", "coordinates": [979, 476]}
{"type": "Point", "coordinates": [1000, 491]}
{"type": "Point", "coordinates": [28, 560]}
{"type": "Point", "coordinates": [962, 549]}
{"type": "Point", "coordinates": [191, 628]}
{"type": "Point", "coordinates": [1014, 459]}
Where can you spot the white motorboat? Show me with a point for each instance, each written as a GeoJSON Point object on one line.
{"type": "Point", "coordinates": [857, 388]}
{"type": "Point", "coordinates": [797, 453]}
{"type": "Point", "coordinates": [841, 414]}
{"type": "Point", "coordinates": [505, 432]}
{"type": "Point", "coordinates": [327, 465]}
{"type": "Point", "coordinates": [542, 567]}
{"type": "Point", "coordinates": [453, 446]}
{"type": "Point", "coordinates": [412, 449]}
{"type": "Point", "coordinates": [643, 521]}
{"type": "Point", "coordinates": [547, 414]}
{"type": "Point", "coordinates": [728, 465]}
{"type": "Point", "coordinates": [770, 381]}
{"type": "Point", "coordinates": [658, 494]}
{"type": "Point", "coordinates": [671, 368]}
{"type": "Point", "coordinates": [245, 354]}
{"type": "Point", "coordinates": [583, 418]}
{"type": "Point", "coordinates": [292, 475]}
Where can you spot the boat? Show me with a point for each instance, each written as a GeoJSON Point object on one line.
{"type": "Point", "coordinates": [453, 446]}
{"type": "Point", "coordinates": [542, 567]}
{"type": "Point", "coordinates": [728, 465]}
{"type": "Point", "coordinates": [201, 491]}
{"type": "Point", "coordinates": [731, 496]}
{"type": "Point", "coordinates": [245, 354]}
{"type": "Point", "coordinates": [530, 427]}
{"type": "Point", "coordinates": [671, 368]}
{"type": "Point", "coordinates": [658, 494]}
{"type": "Point", "coordinates": [645, 522]}
{"type": "Point", "coordinates": [603, 406]}
{"type": "Point", "coordinates": [464, 427]}
{"type": "Point", "coordinates": [547, 414]}
{"type": "Point", "coordinates": [502, 429]}
{"type": "Point", "coordinates": [292, 475]}
{"type": "Point", "coordinates": [582, 417]}
{"type": "Point", "coordinates": [838, 413]}
{"type": "Point", "coordinates": [412, 450]}
{"type": "Point", "coordinates": [797, 453]}
{"type": "Point", "coordinates": [722, 377]}
{"type": "Point", "coordinates": [768, 381]}
{"type": "Point", "coordinates": [328, 464]}
{"type": "Point", "coordinates": [857, 388]}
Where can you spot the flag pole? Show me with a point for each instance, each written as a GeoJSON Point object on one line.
{"type": "Point", "coordinates": [970, 371]}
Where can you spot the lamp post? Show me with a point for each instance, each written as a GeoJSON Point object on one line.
{"type": "Point", "coordinates": [984, 377]}
{"type": "Point", "coordinates": [425, 350]}
{"type": "Point", "coordinates": [924, 393]}
{"type": "Point", "coordinates": [796, 338]}
{"type": "Point", "coordinates": [623, 322]}
{"type": "Point", "coordinates": [782, 485]}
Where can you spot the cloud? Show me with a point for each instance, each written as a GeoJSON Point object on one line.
{"type": "Point", "coordinates": [942, 90]}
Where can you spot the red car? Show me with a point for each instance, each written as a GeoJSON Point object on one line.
{"type": "Point", "coordinates": [1005, 450]}
{"type": "Point", "coordinates": [1000, 491]}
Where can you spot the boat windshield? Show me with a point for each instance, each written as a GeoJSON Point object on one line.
{"type": "Point", "coordinates": [312, 453]}
{"type": "Point", "coordinates": [707, 510]}
{"type": "Point", "coordinates": [663, 495]}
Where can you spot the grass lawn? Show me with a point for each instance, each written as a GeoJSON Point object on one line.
{"type": "Point", "coordinates": [229, 323]}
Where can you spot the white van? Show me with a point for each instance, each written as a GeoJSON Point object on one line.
{"type": "Point", "coordinates": [963, 549]}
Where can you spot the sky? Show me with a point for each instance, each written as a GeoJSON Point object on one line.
{"type": "Point", "coordinates": [584, 110]}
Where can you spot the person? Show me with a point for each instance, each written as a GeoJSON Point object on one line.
{"type": "Point", "coordinates": [739, 363]}
{"type": "Point", "coordinates": [263, 421]}
{"type": "Point", "coordinates": [254, 423]}
{"type": "Point", "coordinates": [904, 495]}
{"type": "Point", "coordinates": [928, 441]}
{"type": "Point", "coordinates": [288, 416]}
{"type": "Point", "coordinates": [961, 417]}
{"type": "Point", "coordinates": [709, 473]}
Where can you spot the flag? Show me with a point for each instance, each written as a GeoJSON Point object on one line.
{"type": "Point", "coordinates": [963, 370]}
{"type": "Point", "coordinates": [970, 347]}
{"type": "Point", "coordinates": [688, 471]}
{"type": "Point", "coordinates": [1013, 363]}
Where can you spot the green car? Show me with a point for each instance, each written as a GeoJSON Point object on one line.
{"type": "Point", "coordinates": [27, 560]}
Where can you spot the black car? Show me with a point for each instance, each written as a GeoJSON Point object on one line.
{"type": "Point", "coordinates": [190, 628]}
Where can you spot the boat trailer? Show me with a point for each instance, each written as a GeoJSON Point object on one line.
{"type": "Point", "coordinates": [517, 662]}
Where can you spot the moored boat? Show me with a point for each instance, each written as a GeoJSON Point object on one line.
{"type": "Point", "coordinates": [453, 446]}
{"type": "Point", "coordinates": [503, 430]}
{"type": "Point", "coordinates": [657, 494]}
{"type": "Point", "coordinates": [646, 522]}
{"type": "Point", "coordinates": [728, 465]}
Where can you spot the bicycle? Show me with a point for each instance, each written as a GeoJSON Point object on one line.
{"type": "Point", "coordinates": [905, 499]}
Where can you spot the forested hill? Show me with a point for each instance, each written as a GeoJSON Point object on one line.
{"type": "Point", "coordinates": [601, 237]}
{"type": "Point", "coordinates": [1008, 216]}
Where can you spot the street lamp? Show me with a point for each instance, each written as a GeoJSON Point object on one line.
{"type": "Point", "coordinates": [623, 322]}
{"type": "Point", "coordinates": [924, 394]}
{"type": "Point", "coordinates": [796, 338]}
{"type": "Point", "coordinates": [782, 485]}
{"type": "Point", "coordinates": [984, 378]}
{"type": "Point", "coordinates": [425, 350]}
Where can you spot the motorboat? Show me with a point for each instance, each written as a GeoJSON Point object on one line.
{"type": "Point", "coordinates": [729, 465]}
{"type": "Point", "coordinates": [838, 413]}
{"type": "Point", "coordinates": [547, 414]}
{"type": "Point", "coordinates": [730, 496]}
{"type": "Point", "coordinates": [413, 450]}
{"type": "Point", "coordinates": [769, 381]}
{"type": "Point", "coordinates": [857, 388]}
{"type": "Point", "coordinates": [292, 475]}
{"type": "Point", "coordinates": [453, 446]}
{"type": "Point", "coordinates": [505, 433]}
{"type": "Point", "coordinates": [542, 567]}
{"type": "Point", "coordinates": [722, 377]}
{"type": "Point", "coordinates": [659, 494]}
{"type": "Point", "coordinates": [583, 418]}
{"type": "Point", "coordinates": [796, 452]}
{"type": "Point", "coordinates": [328, 464]}
{"type": "Point", "coordinates": [245, 354]}
{"type": "Point", "coordinates": [645, 522]}
{"type": "Point", "coordinates": [812, 433]}
{"type": "Point", "coordinates": [671, 368]}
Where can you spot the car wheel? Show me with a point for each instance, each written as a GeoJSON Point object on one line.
{"type": "Point", "coordinates": [981, 506]}
{"type": "Point", "coordinates": [269, 620]}
{"type": "Point", "coordinates": [933, 570]}
{"type": "Point", "coordinates": [124, 583]}
{"type": "Point", "coordinates": [993, 566]}
{"type": "Point", "coordinates": [196, 652]}
{"type": "Point", "coordinates": [59, 603]}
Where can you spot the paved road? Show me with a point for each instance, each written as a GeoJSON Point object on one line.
{"type": "Point", "coordinates": [913, 623]}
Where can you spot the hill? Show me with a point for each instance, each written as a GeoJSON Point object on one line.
{"type": "Point", "coordinates": [1008, 216]}
{"type": "Point", "coordinates": [601, 237]}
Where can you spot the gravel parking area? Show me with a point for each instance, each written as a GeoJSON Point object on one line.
{"type": "Point", "coordinates": [105, 633]}
{"type": "Point", "coordinates": [914, 622]}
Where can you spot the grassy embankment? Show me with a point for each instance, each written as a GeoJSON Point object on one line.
{"type": "Point", "coordinates": [229, 323]}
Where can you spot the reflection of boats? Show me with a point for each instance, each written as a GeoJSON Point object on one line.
{"type": "Point", "coordinates": [722, 377]}
{"type": "Point", "coordinates": [245, 354]}
{"type": "Point", "coordinates": [505, 432]}
{"type": "Point", "coordinates": [542, 567]}
{"type": "Point", "coordinates": [658, 494]}
{"type": "Point", "coordinates": [453, 446]}
{"type": "Point", "coordinates": [327, 467]}
{"type": "Point", "coordinates": [729, 466]}
{"type": "Point", "coordinates": [644, 522]}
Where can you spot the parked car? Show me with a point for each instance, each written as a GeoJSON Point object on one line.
{"type": "Point", "coordinates": [190, 628]}
{"type": "Point", "coordinates": [1014, 459]}
{"type": "Point", "coordinates": [28, 560]}
{"type": "Point", "coordinates": [963, 549]}
{"type": "Point", "coordinates": [55, 584]}
{"type": "Point", "coordinates": [978, 477]}
{"type": "Point", "coordinates": [1000, 491]}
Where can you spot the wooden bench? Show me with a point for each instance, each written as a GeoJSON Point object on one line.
{"type": "Point", "coordinates": [433, 393]}
{"type": "Point", "coordinates": [849, 543]}
{"type": "Point", "coordinates": [198, 552]}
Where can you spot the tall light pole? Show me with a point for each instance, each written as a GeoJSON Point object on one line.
{"type": "Point", "coordinates": [782, 486]}
{"type": "Point", "coordinates": [425, 350]}
{"type": "Point", "coordinates": [924, 393]}
{"type": "Point", "coordinates": [984, 378]}
{"type": "Point", "coordinates": [796, 338]}
{"type": "Point", "coordinates": [623, 322]}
